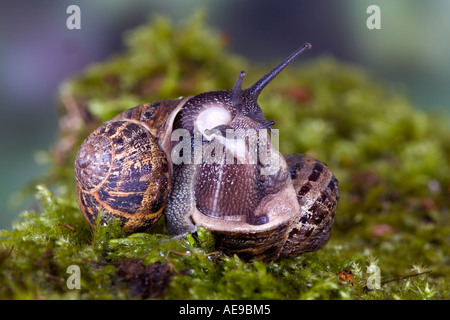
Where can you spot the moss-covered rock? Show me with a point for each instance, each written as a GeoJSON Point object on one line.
{"type": "Point", "coordinates": [392, 162]}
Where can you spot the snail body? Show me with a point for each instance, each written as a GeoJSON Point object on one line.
{"type": "Point", "coordinates": [207, 160]}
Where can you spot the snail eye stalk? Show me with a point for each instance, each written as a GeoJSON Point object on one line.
{"type": "Point", "coordinates": [259, 85]}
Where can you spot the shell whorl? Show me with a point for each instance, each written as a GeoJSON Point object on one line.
{"type": "Point", "coordinates": [122, 169]}
{"type": "Point", "coordinates": [122, 172]}
{"type": "Point", "coordinates": [318, 195]}
{"type": "Point", "coordinates": [93, 161]}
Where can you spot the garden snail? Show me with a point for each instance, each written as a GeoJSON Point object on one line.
{"type": "Point", "coordinates": [206, 160]}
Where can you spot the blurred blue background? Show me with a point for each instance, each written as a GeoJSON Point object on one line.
{"type": "Point", "coordinates": [37, 52]}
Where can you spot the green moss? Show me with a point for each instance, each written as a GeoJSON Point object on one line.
{"type": "Point", "coordinates": [392, 162]}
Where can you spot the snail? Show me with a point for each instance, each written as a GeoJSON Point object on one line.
{"type": "Point", "coordinates": [207, 161]}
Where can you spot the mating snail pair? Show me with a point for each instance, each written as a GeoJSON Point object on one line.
{"type": "Point", "coordinates": [144, 163]}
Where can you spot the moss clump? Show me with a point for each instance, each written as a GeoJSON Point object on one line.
{"type": "Point", "coordinates": [391, 159]}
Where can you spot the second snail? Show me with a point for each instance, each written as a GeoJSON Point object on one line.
{"type": "Point", "coordinates": [207, 160]}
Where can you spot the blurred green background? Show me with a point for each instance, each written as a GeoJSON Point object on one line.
{"type": "Point", "coordinates": [37, 52]}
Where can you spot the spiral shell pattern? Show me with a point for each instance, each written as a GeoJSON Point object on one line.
{"type": "Point", "coordinates": [122, 174]}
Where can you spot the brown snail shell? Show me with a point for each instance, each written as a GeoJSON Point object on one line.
{"type": "Point", "coordinates": [121, 169]}
{"type": "Point", "coordinates": [130, 170]}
